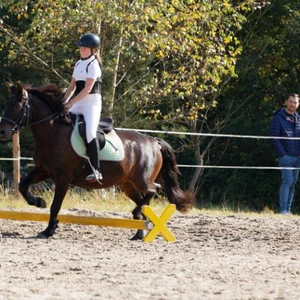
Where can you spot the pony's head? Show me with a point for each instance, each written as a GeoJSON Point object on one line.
{"type": "Point", "coordinates": [15, 112]}
{"type": "Point", "coordinates": [23, 103]}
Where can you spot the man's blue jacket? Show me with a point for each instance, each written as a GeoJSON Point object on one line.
{"type": "Point", "coordinates": [285, 125]}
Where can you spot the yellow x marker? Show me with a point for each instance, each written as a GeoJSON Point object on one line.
{"type": "Point", "coordinates": [159, 223]}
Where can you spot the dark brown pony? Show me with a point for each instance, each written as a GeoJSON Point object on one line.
{"type": "Point", "coordinates": [146, 159]}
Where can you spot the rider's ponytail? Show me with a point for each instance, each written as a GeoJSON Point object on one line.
{"type": "Point", "coordinates": [98, 57]}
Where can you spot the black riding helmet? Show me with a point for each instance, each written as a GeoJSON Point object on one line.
{"type": "Point", "coordinates": [89, 40]}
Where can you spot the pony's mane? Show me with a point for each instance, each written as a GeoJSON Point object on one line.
{"type": "Point", "coordinates": [50, 94]}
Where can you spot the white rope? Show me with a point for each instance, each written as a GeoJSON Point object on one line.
{"type": "Point", "coordinates": [214, 134]}
{"type": "Point", "coordinates": [17, 158]}
{"type": "Point", "coordinates": [196, 166]}
{"type": "Point", "coordinates": [204, 134]}
{"type": "Point", "coordinates": [237, 167]}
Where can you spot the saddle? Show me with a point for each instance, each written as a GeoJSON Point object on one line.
{"type": "Point", "coordinates": [110, 144]}
{"type": "Point", "coordinates": [105, 126]}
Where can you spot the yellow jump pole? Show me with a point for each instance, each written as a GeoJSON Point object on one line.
{"type": "Point", "coordinates": [109, 222]}
{"type": "Point", "coordinates": [155, 224]}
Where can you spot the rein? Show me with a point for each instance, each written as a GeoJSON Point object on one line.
{"type": "Point", "coordinates": [25, 114]}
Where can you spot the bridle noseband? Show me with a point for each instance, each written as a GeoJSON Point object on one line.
{"type": "Point", "coordinates": [25, 115]}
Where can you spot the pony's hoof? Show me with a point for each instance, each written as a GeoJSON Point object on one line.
{"type": "Point", "coordinates": [40, 202]}
{"type": "Point", "coordinates": [50, 230]}
{"type": "Point", "coordinates": [138, 236]}
{"type": "Point", "coordinates": [42, 235]}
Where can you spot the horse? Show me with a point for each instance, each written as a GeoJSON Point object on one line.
{"type": "Point", "coordinates": [149, 163]}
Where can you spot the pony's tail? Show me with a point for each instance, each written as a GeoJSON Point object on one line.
{"type": "Point", "coordinates": [184, 201]}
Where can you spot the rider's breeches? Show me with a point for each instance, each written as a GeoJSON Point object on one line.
{"type": "Point", "coordinates": [90, 107]}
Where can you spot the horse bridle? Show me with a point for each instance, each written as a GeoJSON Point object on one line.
{"type": "Point", "coordinates": [25, 115]}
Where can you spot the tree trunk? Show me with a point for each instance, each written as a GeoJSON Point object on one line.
{"type": "Point", "coordinates": [199, 162]}
{"type": "Point", "coordinates": [111, 101]}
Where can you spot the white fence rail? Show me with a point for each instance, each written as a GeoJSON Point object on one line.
{"type": "Point", "coordinates": [205, 135]}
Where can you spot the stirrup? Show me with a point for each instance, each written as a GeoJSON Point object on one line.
{"type": "Point", "coordinates": [93, 177]}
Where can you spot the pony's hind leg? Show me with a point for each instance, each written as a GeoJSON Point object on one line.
{"type": "Point", "coordinates": [35, 176]}
{"type": "Point", "coordinates": [140, 199]}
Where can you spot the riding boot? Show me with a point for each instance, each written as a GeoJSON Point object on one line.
{"type": "Point", "coordinates": [93, 152]}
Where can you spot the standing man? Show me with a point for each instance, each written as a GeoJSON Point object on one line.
{"type": "Point", "coordinates": [286, 123]}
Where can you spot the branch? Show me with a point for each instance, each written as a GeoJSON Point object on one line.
{"type": "Point", "coordinates": [30, 53]}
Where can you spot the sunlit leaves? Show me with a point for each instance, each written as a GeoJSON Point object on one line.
{"type": "Point", "coordinates": [169, 52]}
{"type": "Point", "coordinates": [195, 44]}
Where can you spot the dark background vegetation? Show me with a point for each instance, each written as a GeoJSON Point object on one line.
{"type": "Point", "coordinates": [267, 69]}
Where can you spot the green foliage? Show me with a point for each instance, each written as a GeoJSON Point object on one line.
{"type": "Point", "coordinates": [193, 66]}
{"type": "Point", "coordinates": [187, 47]}
{"type": "Point", "coordinates": [195, 49]}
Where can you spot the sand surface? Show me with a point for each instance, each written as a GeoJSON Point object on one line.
{"type": "Point", "coordinates": [214, 257]}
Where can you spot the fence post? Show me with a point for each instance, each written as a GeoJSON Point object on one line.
{"type": "Point", "coordinates": [16, 162]}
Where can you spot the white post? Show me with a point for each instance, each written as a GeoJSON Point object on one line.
{"type": "Point", "coordinates": [16, 162]}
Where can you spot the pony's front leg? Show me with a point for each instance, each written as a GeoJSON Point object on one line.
{"type": "Point", "coordinates": [35, 176]}
{"type": "Point", "coordinates": [61, 189]}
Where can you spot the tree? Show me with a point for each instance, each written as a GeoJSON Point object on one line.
{"type": "Point", "coordinates": [267, 69]}
{"type": "Point", "coordinates": [196, 48]}
{"type": "Point", "coordinates": [167, 63]}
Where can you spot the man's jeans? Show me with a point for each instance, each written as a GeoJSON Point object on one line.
{"type": "Point", "coordinates": [289, 180]}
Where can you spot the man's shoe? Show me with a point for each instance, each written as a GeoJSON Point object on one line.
{"type": "Point", "coordinates": [285, 212]}
{"type": "Point", "coordinates": [95, 176]}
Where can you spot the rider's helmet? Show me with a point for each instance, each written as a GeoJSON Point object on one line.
{"type": "Point", "coordinates": [89, 40]}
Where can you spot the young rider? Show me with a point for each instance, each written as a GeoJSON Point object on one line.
{"type": "Point", "coordinates": [85, 87]}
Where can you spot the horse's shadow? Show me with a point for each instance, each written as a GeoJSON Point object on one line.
{"type": "Point", "coordinates": [17, 235]}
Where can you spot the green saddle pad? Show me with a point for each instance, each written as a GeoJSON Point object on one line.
{"type": "Point", "coordinates": [112, 151]}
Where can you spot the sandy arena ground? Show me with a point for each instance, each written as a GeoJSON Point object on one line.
{"type": "Point", "coordinates": [214, 257]}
